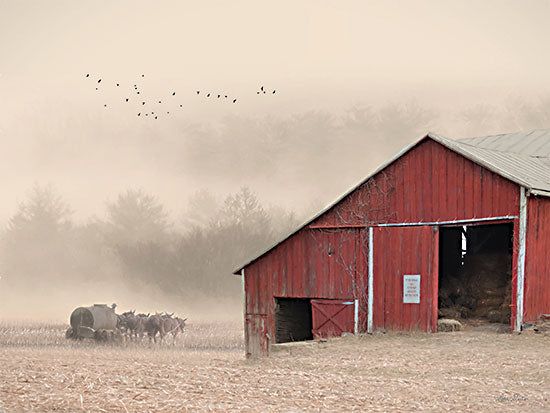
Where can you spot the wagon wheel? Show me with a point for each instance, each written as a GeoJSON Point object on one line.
{"type": "Point", "coordinates": [69, 333]}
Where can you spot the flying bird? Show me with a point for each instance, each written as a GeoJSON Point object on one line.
{"type": "Point", "coordinates": [142, 75]}
{"type": "Point", "coordinates": [273, 92]}
{"type": "Point", "coordinates": [234, 100]}
{"type": "Point", "coordinates": [198, 91]}
{"type": "Point", "coordinates": [208, 95]}
{"type": "Point", "coordinates": [126, 99]}
{"type": "Point", "coordinates": [174, 94]}
{"type": "Point", "coordinates": [88, 75]}
{"type": "Point", "coordinates": [155, 117]}
{"type": "Point", "coordinates": [138, 93]}
{"type": "Point", "coordinates": [143, 103]}
{"type": "Point", "coordinates": [99, 81]}
{"type": "Point", "coordinates": [226, 96]}
{"type": "Point", "coordinates": [219, 96]}
{"type": "Point", "coordinates": [139, 113]}
{"type": "Point", "coordinates": [262, 88]}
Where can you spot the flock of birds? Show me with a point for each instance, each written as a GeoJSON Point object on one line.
{"type": "Point", "coordinates": [148, 107]}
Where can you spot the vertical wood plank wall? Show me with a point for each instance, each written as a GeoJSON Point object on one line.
{"type": "Point", "coordinates": [429, 183]}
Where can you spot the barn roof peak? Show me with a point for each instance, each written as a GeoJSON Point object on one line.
{"type": "Point", "coordinates": [523, 158]}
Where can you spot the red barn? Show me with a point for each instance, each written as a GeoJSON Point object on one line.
{"type": "Point", "coordinates": [443, 228]}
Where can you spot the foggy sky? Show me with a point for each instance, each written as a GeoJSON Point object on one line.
{"type": "Point", "coordinates": [325, 55]}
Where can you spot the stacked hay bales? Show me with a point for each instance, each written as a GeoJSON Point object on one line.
{"type": "Point", "coordinates": [481, 289]}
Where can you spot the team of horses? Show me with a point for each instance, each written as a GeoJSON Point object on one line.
{"type": "Point", "coordinates": [136, 326]}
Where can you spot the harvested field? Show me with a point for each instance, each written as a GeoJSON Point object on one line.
{"type": "Point", "coordinates": [206, 370]}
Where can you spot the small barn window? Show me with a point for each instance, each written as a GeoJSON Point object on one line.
{"type": "Point", "coordinates": [293, 321]}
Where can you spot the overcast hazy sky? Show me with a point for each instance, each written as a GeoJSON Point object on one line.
{"type": "Point", "coordinates": [317, 54]}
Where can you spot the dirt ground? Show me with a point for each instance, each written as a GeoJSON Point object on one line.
{"type": "Point", "coordinates": [206, 370]}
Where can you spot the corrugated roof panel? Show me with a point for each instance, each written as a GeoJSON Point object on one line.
{"type": "Point", "coordinates": [535, 143]}
{"type": "Point", "coordinates": [521, 157]}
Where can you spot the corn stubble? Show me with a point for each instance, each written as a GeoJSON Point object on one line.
{"type": "Point", "coordinates": [206, 370]}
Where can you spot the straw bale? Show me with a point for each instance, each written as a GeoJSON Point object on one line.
{"type": "Point", "coordinates": [447, 324]}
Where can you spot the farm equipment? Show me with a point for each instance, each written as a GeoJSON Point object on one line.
{"type": "Point", "coordinates": [98, 322]}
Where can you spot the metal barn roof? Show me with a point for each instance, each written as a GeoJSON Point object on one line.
{"type": "Point", "coordinates": [523, 158]}
{"type": "Point", "coordinates": [534, 143]}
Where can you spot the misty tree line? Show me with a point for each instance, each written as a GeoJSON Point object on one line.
{"type": "Point", "coordinates": [310, 157]}
{"type": "Point", "coordinates": [321, 152]}
{"type": "Point", "coordinates": [42, 248]}
{"type": "Point", "coordinates": [316, 153]}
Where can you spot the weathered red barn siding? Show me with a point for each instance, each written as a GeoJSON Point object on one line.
{"type": "Point", "coordinates": [301, 267]}
{"type": "Point", "coordinates": [429, 183]}
{"type": "Point", "coordinates": [255, 334]}
{"type": "Point", "coordinates": [537, 259]}
{"type": "Point", "coordinates": [399, 251]}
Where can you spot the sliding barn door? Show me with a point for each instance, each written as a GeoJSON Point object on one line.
{"type": "Point", "coordinates": [405, 278]}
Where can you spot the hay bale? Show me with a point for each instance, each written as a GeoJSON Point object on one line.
{"type": "Point", "coordinates": [454, 312]}
{"type": "Point", "coordinates": [450, 312]}
{"type": "Point", "coordinates": [465, 312]}
{"type": "Point", "coordinates": [494, 302]}
{"type": "Point", "coordinates": [486, 275]}
{"type": "Point", "coordinates": [493, 293]}
{"type": "Point", "coordinates": [448, 324]}
{"type": "Point", "coordinates": [482, 310]}
{"type": "Point", "coordinates": [466, 301]}
{"type": "Point", "coordinates": [498, 316]}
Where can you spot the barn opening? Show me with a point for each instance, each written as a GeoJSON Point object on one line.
{"type": "Point", "coordinates": [293, 321]}
{"type": "Point", "coordinates": [475, 273]}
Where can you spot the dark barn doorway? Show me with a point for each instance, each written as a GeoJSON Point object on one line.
{"type": "Point", "coordinates": [293, 320]}
{"type": "Point", "coordinates": [475, 273]}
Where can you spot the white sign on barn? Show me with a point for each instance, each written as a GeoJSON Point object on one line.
{"type": "Point", "coordinates": [411, 289]}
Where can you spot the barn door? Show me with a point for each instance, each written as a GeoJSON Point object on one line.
{"type": "Point", "coordinates": [405, 274]}
{"type": "Point", "coordinates": [331, 318]}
